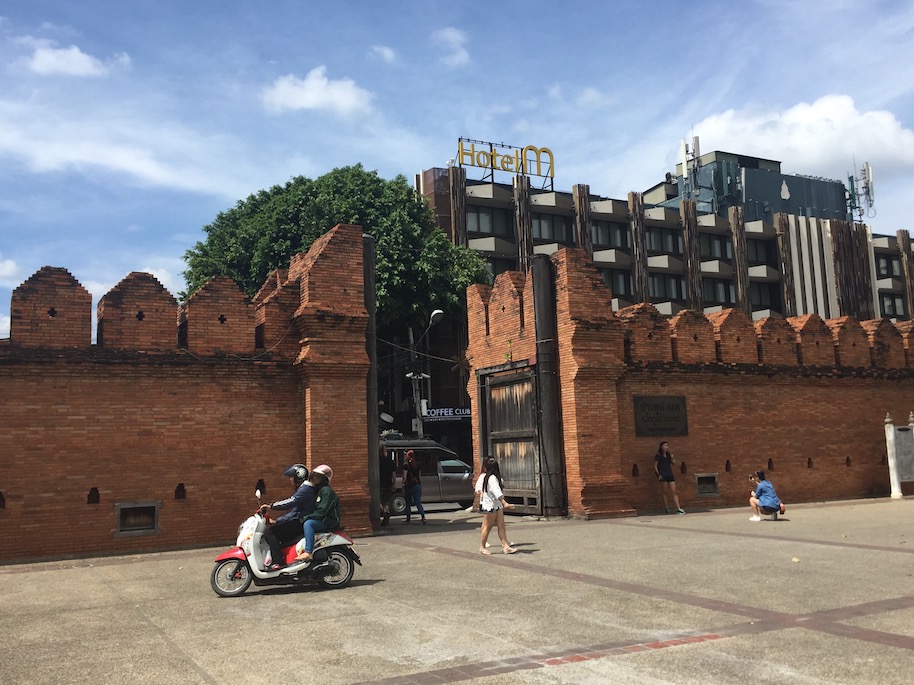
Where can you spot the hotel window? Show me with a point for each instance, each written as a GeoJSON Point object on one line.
{"type": "Point", "coordinates": [666, 287]}
{"type": "Point", "coordinates": [762, 252]}
{"type": "Point", "coordinates": [664, 240]}
{"type": "Point", "coordinates": [610, 234]}
{"type": "Point", "coordinates": [717, 291]}
{"type": "Point", "coordinates": [715, 246]}
{"type": "Point", "coordinates": [888, 265]}
{"type": "Point", "coordinates": [765, 296]}
{"type": "Point", "coordinates": [892, 305]}
{"type": "Point", "coordinates": [552, 228]}
{"type": "Point", "coordinates": [490, 221]}
{"type": "Point", "coordinates": [498, 266]}
{"type": "Point", "coordinates": [618, 281]}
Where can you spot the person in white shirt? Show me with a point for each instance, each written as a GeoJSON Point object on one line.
{"type": "Point", "coordinates": [492, 503]}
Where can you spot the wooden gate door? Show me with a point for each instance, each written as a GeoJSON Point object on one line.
{"type": "Point", "coordinates": [508, 409]}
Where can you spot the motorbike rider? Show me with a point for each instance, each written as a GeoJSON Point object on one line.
{"type": "Point", "coordinates": [326, 516]}
{"type": "Point", "coordinates": [288, 527]}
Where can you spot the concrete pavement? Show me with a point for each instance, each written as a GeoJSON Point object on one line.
{"type": "Point", "coordinates": [825, 596]}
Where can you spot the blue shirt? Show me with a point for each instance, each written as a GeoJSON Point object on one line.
{"type": "Point", "coordinates": [766, 495]}
{"type": "Point", "coordinates": [299, 505]}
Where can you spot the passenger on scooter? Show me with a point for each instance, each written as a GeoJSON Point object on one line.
{"type": "Point", "coordinates": [287, 528]}
{"type": "Point", "coordinates": [326, 516]}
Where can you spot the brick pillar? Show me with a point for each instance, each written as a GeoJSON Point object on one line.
{"type": "Point", "coordinates": [333, 365]}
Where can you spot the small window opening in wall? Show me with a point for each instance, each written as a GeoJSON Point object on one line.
{"type": "Point", "coordinates": [847, 461]}
{"type": "Point", "coordinates": [2, 501]}
{"type": "Point", "coordinates": [222, 318]}
{"type": "Point", "coordinates": [259, 337]}
{"type": "Point", "coordinates": [707, 484]}
{"type": "Point", "coordinates": [809, 463]}
{"type": "Point", "coordinates": [635, 471]}
{"type": "Point", "coordinates": [885, 460]}
{"type": "Point", "coordinates": [262, 487]}
{"type": "Point", "coordinates": [683, 469]}
{"type": "Point", "coordinates": [180, 492]}
{"type": "Point", "coordinates": [727, 467]}
{"type": "Point", "coordinates": [137, 517]}
{"type": "Point", "coordinates": [52, 313]}
{"type": "Point", "coordinates": [771, 464]}
{"type": "Point", "coordinates": [93, 497]}
{"type": "Point", "coordinates": [140, 316]}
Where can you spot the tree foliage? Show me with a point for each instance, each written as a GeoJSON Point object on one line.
{"type": "Point", "coordinates": [418, 268]}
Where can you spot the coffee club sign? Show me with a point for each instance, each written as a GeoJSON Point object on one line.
{"type": "Point", "coordinates": [501, 157]}
{"type": "Point", "coordinates": [446, 414]}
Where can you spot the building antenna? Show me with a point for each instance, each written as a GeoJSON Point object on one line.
{"type": "Point", "coordinates": [690, 166]}
{"type": "Point", "coordinates": [861, 194]}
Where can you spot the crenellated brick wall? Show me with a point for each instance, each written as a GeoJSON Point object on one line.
{"type": "Point", "coordinates": [137, 314]}
{"type": "Point", "coordinates": [51, 309]}
{"type": "Point", "coordinates": [803, 398]}
{"type": "Point", "coordinates": [191, 429]}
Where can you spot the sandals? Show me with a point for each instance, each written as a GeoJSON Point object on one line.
{"type": "Point", "coordinates": [509, 550]}
{"type": "Point", "coordinates": [484, 551]}
{"type": "Point", "coordinates": [304, 556]}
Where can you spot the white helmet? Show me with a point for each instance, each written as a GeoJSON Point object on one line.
{"type": "Point", "coordinates": [324, 470]}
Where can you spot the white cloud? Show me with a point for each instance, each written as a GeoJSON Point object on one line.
{"type": "Point", "coordinates": [4, 326]}
{"type": "Point", "coordinates": [49, 60]}
{"type": "Point", "coordinates": [316, 92]}
{"type": "Point", "coordinates": [384, 53]}
{"type": "Point", "coordinates": [97, 289]}
{"type": "Point", "coordinates": [172, 280]}
{"type": "Point", "coordinates": [9, 272]}
{"type": "Point", "coordinates": [452, 40]}
{"type": "Point", "coordinates": [84, 139]}
{"type": "Point", "coordinates": [822, 137]}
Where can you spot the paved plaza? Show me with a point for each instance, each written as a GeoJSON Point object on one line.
{"type": "Point", "coordinates": [825, 595]}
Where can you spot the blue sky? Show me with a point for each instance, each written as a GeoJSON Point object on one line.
{"type": "Point", "coordinates": [125, 127]}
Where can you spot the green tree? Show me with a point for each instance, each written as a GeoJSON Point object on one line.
{"type": "Point", "coordinates": [418, 268]}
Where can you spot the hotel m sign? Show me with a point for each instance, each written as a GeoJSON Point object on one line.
{"type": "Point", "coordinates": [500, 157]}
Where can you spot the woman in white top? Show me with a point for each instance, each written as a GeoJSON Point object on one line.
{"type": "Point", "coordinates": [492, 503]}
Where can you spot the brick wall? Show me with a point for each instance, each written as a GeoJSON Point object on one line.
{"type": "Point", "coordinates": [138, 420]}
{"type": "Point", "coordinates": [814, 406]}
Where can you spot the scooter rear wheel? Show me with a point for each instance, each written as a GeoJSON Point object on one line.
{"type": "Point", "coordinates": [230, 578]}
{"type": "Point", "coordinates": [345, 566]}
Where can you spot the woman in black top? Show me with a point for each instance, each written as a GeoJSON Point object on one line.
{"type": "Point", "coordinates": [663, 467]}
{"type": "Point", "coordinates": [412, 486]}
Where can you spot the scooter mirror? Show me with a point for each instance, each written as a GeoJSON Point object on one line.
{"type": "Point", "coordinates": [257, 494]}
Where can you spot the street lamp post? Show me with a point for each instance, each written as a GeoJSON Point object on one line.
{"type": "Point", "coordinates": [416, 374]}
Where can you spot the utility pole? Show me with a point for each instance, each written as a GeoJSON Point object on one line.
{"type": "Point", "coordinates": [416, 375]}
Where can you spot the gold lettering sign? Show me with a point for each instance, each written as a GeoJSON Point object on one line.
{"type": "Point", "coordinates": [518, 160]}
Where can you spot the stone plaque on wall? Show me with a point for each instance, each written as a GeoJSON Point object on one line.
{"type": "Point", "coordinates": [660, 416]}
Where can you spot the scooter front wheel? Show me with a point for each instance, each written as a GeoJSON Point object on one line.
{"type": "Point", "coordinates": [231, 577]}
{"type": "Point", "coordinates": [345, 568]}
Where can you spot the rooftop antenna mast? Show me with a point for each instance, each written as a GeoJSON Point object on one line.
{"type": "Point", "coordinates": [861, 195]}
{"type": "Point", "coordinates": [690, 166]}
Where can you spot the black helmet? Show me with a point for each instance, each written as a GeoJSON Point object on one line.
{"type": "Point", "coordinates": [297, 471]}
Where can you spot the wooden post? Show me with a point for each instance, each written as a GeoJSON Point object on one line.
{"type": "Point", "coordinates": [740, 260]}
{"type": "Point", "coordinates": [688, 217]}
{"type": "Point", "coordinates": [583, 237]}
{"type": "Point", "coordinates": [785, 256]}
{"type": "Point", "coordinates": [457, 189]}
{"type": "Point", "coordinates": [907, 271]}
{"type": "Point", "coordinates": [523, 222]}
{"type": "Point", "coordinates": [639, 247]}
